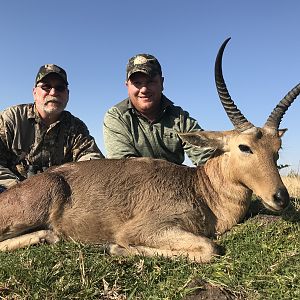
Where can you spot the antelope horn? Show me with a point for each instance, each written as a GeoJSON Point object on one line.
{"type": "Point", "coordinates": [278, 112]}
{"type": "Point", "coordinates": [236, 117]}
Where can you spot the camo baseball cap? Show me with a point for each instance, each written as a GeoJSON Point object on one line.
{"type": "Point", "coordinates": [51, 68]}
{"type": "Point", "coordinates": [144, 63]}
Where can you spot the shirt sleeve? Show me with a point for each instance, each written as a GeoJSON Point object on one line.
{"type": "Point", "coordinates": [84, 146]}
{"type": "Point", "coordinates": [198, 155]}
{"type": "Point", "coordinates": [7, 177]}
{"type": "Point", "coordinates": [117, 135]}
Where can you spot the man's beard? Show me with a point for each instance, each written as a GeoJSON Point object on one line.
{"type": "Point", "coordinates": [57, 109]}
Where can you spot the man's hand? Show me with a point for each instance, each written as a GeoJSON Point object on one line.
{"type": "Point", "coordinates": [2, 189]}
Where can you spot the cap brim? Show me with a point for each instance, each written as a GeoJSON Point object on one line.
{"type": "Point", "coordinates": [59, 75]}
{"type": "Point", "coordinates": [144, 71]}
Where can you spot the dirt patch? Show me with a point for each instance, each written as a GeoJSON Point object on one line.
{"type": "Point", "coordinates": [205, 291]}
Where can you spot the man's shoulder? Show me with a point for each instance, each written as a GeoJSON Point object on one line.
{"type": "Point", "coordinates": [19, 110]}
{"type": "Point", "coordinates": [73, 124]}
{"type": "Point", "coordinates": [19, 107]}
{"type": "Point", "coordinates": [172, 108]}
{"type": "Point", "coordinates": [69, 118]}
{"type": "Point", "coordinates": [122, 107]}
{"type": "Point", "coordinates": [178, 113]}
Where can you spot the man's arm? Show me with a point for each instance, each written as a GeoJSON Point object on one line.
{"type": "Point", "coordinates": [118, 139]}
{"type": "Point", "coordinates": [197, 155]}
{"type": "Point", "coordinates": [84, 146]}
{"type": "Point", "coordinates": [7, 177]}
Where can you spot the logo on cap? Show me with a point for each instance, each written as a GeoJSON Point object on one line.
{"type": "Point", "coordinates": [139, 60]}
{"type": "Point", "coordinates": [144, 63]}
{"type": "Point", "coordinates": [52, 68]}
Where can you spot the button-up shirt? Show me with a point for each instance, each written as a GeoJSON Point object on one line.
{"type": "Point", "coordinates": [129, 134]}
{"type": "Point", "coordinates": [26, 141]}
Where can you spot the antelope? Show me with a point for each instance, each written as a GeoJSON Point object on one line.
{"type": "Point", "coordinates": [144, 206]}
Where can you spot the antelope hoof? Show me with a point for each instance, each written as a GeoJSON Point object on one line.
{"type": "Point", "coordinates": [50, 238]}
{"type": "Point", "coordinates": [115, 249]}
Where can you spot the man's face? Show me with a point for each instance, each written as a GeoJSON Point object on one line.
{"type": "Point", "coordinates": [145, 92]}
{"type": "Point", "coordinates": [51, 96]}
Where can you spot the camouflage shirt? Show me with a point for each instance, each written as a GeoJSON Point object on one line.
{"type": "Point", "coordinates": [26, 141]}
{"type": "Point", "coordinates": [128, 134]}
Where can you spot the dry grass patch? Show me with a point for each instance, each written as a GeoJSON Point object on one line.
{"type": "Point", "coordinates": [292, 183]}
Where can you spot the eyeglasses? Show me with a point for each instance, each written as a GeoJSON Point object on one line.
{"type": "Point", "coordinates": [47, 87]}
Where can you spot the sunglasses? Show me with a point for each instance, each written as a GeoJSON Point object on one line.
{"type": "Point", "coordinates": [47, 87]}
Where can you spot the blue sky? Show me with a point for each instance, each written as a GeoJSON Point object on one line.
{"type": "Point", "coordinates": [93, 40]}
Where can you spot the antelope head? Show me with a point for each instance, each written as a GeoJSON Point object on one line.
{"type": "Point", "coordinates": [248, 153]}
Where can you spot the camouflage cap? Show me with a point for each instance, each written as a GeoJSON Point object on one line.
{"type": "Point", "coordinates": [50, 68]}
{"type": "Point", "coordinates": [144, 63]}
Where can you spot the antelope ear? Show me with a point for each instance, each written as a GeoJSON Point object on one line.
{"type": "Point", "coordinates": [207, 139]}
{"type": "Point", "coordinates": [281, 132]}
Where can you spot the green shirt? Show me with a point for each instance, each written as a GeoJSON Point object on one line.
{"type": "Point", "coordinates": [128, 134]}
{"type": "Point", "coordinates": [26, 141]}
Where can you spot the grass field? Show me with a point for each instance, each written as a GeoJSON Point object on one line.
{"type": "Point", "coordinates": [262, 261]}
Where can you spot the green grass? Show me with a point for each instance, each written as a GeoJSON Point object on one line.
{"type": "Point", "coordinates": [262, 261]}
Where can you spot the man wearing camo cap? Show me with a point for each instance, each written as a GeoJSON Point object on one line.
{"type": "Point", "coordinates": [146, 123]}
{"type": "Point", "coordinates": [38, 135]}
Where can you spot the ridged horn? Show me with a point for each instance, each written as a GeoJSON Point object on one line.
{"type": "Point", "coordinates": [236, 117]}
{"type": "Point", "coordinates": [275, 117]}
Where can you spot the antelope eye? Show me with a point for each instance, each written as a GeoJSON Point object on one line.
{"type": "Point", "coordinates": [245, 149]}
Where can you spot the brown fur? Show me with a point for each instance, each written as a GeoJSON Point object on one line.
{"type": "Point", "coordinates": [142, 205]}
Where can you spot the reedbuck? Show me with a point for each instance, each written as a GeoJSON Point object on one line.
{"type": "Point", "coordinates": [149, 206]}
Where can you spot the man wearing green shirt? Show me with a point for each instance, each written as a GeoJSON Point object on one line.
{"type": "Point", "coordinates": [42, 134]}
{"type": "Point", "coordinates": [146, 123]}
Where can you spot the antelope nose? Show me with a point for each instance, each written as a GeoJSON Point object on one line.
{"type": "Point", "coordinates": [282, 198]}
